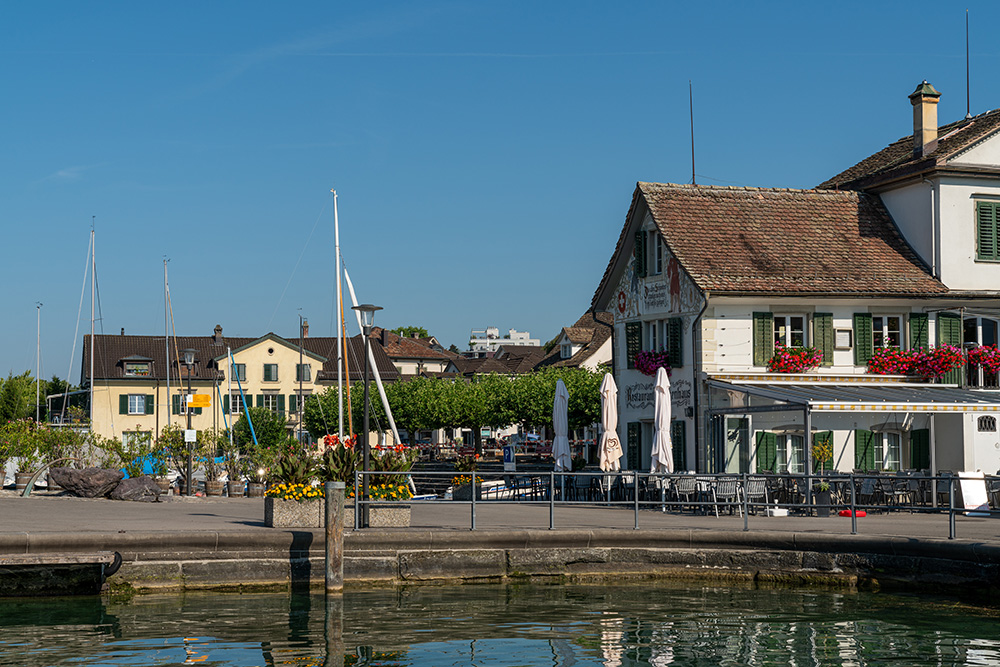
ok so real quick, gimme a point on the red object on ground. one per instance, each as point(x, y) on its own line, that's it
point(856, 513)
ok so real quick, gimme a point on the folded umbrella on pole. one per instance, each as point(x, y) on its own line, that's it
point(611, 448)
point(560, 424)
point(663, 455)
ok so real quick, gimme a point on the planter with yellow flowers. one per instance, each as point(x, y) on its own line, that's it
point(293, 506)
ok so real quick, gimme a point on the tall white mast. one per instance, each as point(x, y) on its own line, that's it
point(38, 364)
point(93, 346)
point(166, 335)
point(340, 323)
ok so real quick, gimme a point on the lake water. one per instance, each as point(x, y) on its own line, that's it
point(600, 625)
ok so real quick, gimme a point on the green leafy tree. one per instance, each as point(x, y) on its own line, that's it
point(17, 397)
point(408, 332)
point(321, 411)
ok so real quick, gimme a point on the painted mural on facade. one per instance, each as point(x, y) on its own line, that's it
point(669, 292)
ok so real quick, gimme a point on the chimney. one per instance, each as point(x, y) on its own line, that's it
point(924, 100)
point(218, 334)
point(383, 337)
point(304, 331)
point(123, 331)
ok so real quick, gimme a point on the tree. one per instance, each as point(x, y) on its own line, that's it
point(17, 397)
point(408, 332)
point(454, 348)
point(321, 411)
point(268, 426)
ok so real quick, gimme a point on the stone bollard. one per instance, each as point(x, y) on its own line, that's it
point(334, 492)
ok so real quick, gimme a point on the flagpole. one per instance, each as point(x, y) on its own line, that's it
point(340, 325)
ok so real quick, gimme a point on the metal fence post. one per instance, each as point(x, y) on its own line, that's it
point(473, 500)
point(951, 508)
point(552, 501)
point(746, 505)
point(357, 502)
point(854, 510)
point(635, 495)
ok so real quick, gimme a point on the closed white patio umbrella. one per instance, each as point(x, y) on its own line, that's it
point(611, 447)
point(560, 423)
point(663, 454)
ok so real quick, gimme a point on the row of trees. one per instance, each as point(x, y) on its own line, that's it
point(17, 395)
point(493, 401)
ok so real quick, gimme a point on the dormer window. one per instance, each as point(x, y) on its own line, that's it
point(566, 350)
point(137, 368)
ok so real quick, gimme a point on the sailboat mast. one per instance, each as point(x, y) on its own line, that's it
point(166, 335)
point(340, 324)
point(93, 346)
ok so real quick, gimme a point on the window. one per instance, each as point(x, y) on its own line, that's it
point(296, 401)
point(137, 368)
point(270, 401)
point(887, 331)
point(270, 372)
point(235, 402)
point(987, 424)
point(303, 373)
point(240, 372)
point(790, 330)
point(987, 219)
point(790, 455)
point(979, 330)
point(656, 246)
point(135, 440)
point(136, 404)
point(665, 336)
point(566, 350)
point(888, 450)
point(654, 340)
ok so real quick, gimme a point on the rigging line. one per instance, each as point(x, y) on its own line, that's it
point(100, 318)
point(299, 261)
point(76, 331)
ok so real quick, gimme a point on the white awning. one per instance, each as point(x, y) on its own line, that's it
point(870, 397)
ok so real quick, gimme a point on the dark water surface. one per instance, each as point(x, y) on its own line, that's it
point(610, 626)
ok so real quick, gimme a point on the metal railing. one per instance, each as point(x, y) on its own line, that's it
point(704, 494)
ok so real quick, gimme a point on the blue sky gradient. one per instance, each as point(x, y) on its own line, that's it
point(484, 154)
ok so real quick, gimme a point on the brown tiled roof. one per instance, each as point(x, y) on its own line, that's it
point(591, 331)
point(399, 347)
point(112, 350)
point(779, 241)
point(897, 159)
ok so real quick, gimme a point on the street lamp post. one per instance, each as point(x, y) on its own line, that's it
point(367, 312)
point(189, 362)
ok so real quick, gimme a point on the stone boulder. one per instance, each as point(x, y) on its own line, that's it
point(141, 489)
point(87, 482)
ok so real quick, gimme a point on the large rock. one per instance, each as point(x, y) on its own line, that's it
point(142, 489)
point(87, 482)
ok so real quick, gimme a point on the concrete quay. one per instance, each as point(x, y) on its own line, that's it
point(189, 543)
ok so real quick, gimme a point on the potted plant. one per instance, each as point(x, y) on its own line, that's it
point(794, 359)
point(209, 445)
point(462, 485)
point(292, 499)
point(171, 444)
point(235, 465)
point(822, 451)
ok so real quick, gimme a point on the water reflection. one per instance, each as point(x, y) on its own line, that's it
point(596, 626)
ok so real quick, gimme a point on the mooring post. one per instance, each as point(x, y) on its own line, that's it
point(334, 492)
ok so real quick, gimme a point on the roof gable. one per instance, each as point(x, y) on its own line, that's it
point(777, 241)
point(272, 338)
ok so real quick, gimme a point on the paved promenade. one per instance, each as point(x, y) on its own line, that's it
point(59, 514)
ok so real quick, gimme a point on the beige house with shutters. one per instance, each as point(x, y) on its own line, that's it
point(899, 251)
point(139, 385)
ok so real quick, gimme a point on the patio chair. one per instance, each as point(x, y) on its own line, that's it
point(686, 489)
point(755, 492)
point(727, 490)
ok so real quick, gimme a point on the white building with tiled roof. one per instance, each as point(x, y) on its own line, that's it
point(904, 254)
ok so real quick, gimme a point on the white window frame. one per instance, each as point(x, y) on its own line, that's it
point(882, 331)
point(129, 436)
point(784, 322)
point(789, 454)
point(270, 401)
point(566, 350)
point(656, 247)
point(889, 450)
point(235, 403)
point(137, 409)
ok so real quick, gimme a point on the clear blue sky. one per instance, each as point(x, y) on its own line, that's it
point(485, 153)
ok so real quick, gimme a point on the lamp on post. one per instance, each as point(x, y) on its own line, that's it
point(189, 362)
point(367, 312)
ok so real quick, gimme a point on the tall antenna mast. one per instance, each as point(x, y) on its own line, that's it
point(166, 334)
point(340, 323)
point(93, 343)
point(968, 106)
point(691, 105)
point(38, 363)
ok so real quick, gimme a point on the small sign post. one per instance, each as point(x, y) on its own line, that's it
point(509, 462)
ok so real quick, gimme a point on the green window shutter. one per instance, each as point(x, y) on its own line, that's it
point(986, 231)
point(293, 403)
point(281, 404)
point(197, 411)
point(678, 441)
point(862, 338)
point(826, 438)
point(767, 451)
point(949, 332)
point(150, 404)
point(823, 336)
point(634, 445)
point(675, 341)
point(175, 404)
point(920, 449)
point(260, 400)
point(123, 404)
point(633, 342)
point(225, 403)
point(640, 254)
point(763, 338)
point(918, 331)
point(864, 450)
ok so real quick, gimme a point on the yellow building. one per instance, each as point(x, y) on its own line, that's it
point(132, 375)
